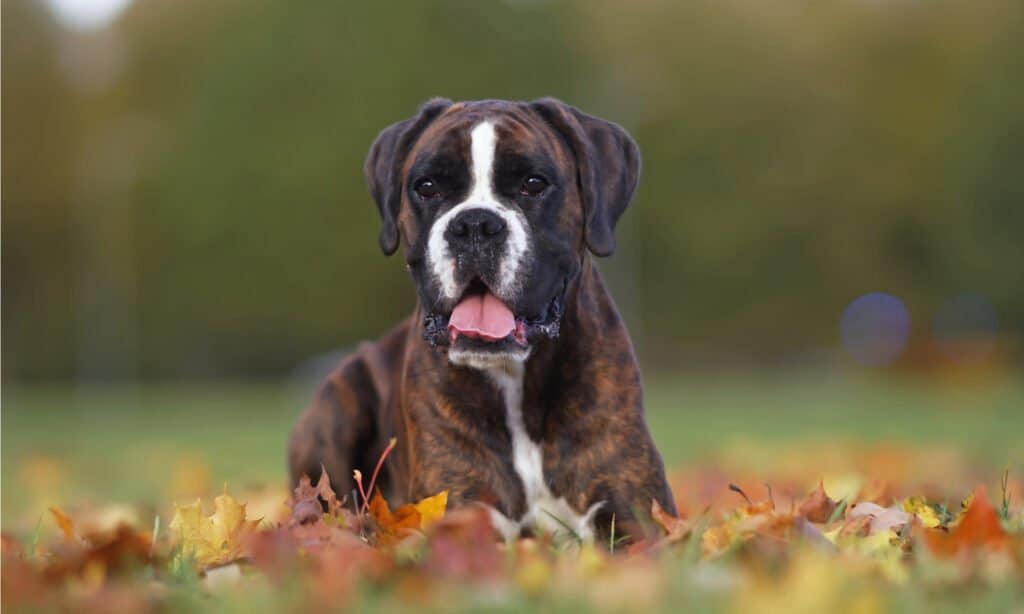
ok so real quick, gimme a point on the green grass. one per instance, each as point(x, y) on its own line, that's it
point(696, 416)
point(64, 445)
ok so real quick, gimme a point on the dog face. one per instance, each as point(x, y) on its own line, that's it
point(496, 203)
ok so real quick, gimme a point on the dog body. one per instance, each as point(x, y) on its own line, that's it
point(514, 383)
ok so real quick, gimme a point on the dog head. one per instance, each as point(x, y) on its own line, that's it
point(496, 203)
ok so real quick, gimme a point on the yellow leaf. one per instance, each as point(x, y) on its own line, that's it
point(431, 509)
point(215, 539)
point(924, 512)
point(717, 539)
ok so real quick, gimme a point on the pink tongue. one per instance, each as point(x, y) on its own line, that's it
point(482, 316)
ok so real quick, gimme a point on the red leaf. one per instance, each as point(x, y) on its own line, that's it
point(979, 528)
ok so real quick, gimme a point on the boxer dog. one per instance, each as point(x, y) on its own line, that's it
point(513, 384)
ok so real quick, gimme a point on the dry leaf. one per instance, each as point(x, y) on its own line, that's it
point(817, 507)
point(979, 527)
point(216, 539)
point(675, 528)
point(882, 518)
point(67, 526)
point(431, 509)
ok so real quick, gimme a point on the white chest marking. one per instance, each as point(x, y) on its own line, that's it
point(543, 510)
point(483, 143)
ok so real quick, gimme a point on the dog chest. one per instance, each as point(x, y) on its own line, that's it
point(544, 511)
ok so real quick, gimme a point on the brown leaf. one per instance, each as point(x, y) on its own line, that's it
point(308, 501)
point(306, 506)
point(463, 544)
point(123, 550)
point(817, 507)
point(323, 488)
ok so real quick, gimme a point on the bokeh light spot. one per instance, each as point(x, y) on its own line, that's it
point(875, 328)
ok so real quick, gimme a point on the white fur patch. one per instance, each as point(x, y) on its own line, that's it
point(543, 510)
point(483, 142)
point(485, 361)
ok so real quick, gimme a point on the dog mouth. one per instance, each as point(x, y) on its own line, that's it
point(481, 315)
point(483, 321)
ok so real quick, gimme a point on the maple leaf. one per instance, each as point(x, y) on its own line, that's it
point(817, 507)
point(431, 509)
point(307, 506)
point(215, 539)
point(413, 516)
point(979, 527)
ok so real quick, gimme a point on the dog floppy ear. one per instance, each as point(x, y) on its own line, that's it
point(608, 163)
point(383, 167)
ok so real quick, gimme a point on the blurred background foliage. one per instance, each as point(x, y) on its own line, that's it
point(183, 196)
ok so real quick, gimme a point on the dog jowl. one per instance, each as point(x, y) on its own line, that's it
point(513, 385)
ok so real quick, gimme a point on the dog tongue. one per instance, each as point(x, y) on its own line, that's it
point(482, 316)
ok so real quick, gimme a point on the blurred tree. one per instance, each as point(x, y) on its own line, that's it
point(40, 141)
point(183, 190)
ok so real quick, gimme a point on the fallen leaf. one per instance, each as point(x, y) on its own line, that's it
point(675, 528)
point(390, 524)
point(431, 509)
point(216, 539)
point(817, 507)
point(882, 518)
point(925, 513)
point(979, 527)
point(101, 555)
point(67, 526)
point(306, 507)
point(463, 545)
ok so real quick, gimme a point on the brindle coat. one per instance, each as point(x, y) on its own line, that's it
point(582, 398)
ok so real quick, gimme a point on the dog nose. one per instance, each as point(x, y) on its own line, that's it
point(477, 225)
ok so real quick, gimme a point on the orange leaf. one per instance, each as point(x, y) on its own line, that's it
point(405, 517)
point(979, 527)
point(67, 526)
point(379, 509)
point(414, 516)
point(390, 523)
point(675, 528)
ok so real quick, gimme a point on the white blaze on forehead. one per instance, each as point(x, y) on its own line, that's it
point(483, 141)
point(483, 144)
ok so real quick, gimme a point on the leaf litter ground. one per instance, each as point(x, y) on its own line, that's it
point(908, 532)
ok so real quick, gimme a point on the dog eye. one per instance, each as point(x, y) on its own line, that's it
point(427, 189)
point(533, 186)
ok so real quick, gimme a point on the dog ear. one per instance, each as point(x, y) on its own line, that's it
point(383, 167)
point(608, 163)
